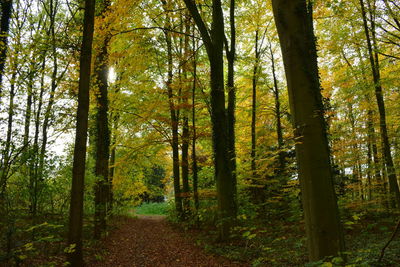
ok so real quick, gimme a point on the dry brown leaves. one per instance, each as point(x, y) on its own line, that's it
point(149, 241)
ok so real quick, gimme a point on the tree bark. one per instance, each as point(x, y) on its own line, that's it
point(296, 34)
point(102, 132)
point(78, 169)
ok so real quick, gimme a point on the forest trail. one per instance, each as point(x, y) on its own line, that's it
point(149, 241)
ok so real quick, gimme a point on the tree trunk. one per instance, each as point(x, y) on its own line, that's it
point(49, 109)
point(6, 8)
point(115, 120)
point(102, 132)
point(194, 135)
point(373, 57)
point(174, 119)
point(296, 34)
point(28, 113)
point(230, 56)
point(5, 164)
point(369, 167)
point(372, 138)
point(254, 106)
point(34, 154)
point(214, 43)
point(78, 169)
point(377, 163)
point(279, 131)
point(357, 174)
point(185, 121)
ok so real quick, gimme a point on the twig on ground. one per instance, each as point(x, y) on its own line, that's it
point(390, 240)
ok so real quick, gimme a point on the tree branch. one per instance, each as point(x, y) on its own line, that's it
point(154, 28)
point(194, 11)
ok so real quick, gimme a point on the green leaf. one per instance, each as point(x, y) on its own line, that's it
point(70, 249)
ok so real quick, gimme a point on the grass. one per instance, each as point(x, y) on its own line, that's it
point(152, 209)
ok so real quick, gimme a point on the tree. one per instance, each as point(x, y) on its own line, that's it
point(214, 43)
point(296, 34)
point(102, 132)
point(6, 8)
point(74, 253)
point(174, 114)
point(374, 63)
point(194, 132)
point(185, 89)
point(231, 56)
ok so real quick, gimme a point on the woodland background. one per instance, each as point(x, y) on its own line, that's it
point(158, 107)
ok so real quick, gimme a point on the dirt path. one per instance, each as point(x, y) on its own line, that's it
point(149, 241)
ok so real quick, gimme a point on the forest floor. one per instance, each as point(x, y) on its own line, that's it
point(149, 240)
point(152, 240)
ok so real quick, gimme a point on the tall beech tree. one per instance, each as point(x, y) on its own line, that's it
point(102, 132)
point(294, 23)
point(254, 80)
point(194, 132)
point(214, 43)
point(278, 113)
point(372, 46)
point(74, 253)
point(174, 114)
point(185, 88)
point(230, 51)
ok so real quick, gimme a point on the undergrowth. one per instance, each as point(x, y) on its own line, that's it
point(152, 209)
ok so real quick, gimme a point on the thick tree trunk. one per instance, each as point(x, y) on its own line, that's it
point(102, 133)
point(220, 126)
point(373, 57)
point(78, 169)
point(295, 29)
